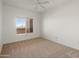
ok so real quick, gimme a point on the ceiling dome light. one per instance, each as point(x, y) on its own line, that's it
point(41, 3)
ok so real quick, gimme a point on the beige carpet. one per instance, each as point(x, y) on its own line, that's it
point(38, 48)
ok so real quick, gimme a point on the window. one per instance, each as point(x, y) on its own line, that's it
point(24, 25)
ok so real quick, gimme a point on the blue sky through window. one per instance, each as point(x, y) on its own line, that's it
point(20, 21)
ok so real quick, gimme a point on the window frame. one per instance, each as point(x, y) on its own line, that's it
point(26, 25)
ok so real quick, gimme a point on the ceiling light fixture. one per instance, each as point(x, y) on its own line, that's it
point(42, 3)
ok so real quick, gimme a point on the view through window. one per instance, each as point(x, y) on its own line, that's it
point(24, 25)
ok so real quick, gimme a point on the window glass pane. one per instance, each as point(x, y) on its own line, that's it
point(31, 25)
point(20, 25)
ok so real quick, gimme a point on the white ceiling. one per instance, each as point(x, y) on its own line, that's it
point(32, 4)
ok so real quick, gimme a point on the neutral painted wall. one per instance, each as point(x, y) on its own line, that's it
point(61, 24)
point(0, 24)
point(9, 24)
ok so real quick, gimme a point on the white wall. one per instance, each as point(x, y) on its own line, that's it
point(0, 24)
point(9, 24)
point(62, 24)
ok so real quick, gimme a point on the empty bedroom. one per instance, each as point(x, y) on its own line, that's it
point(39, 28)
